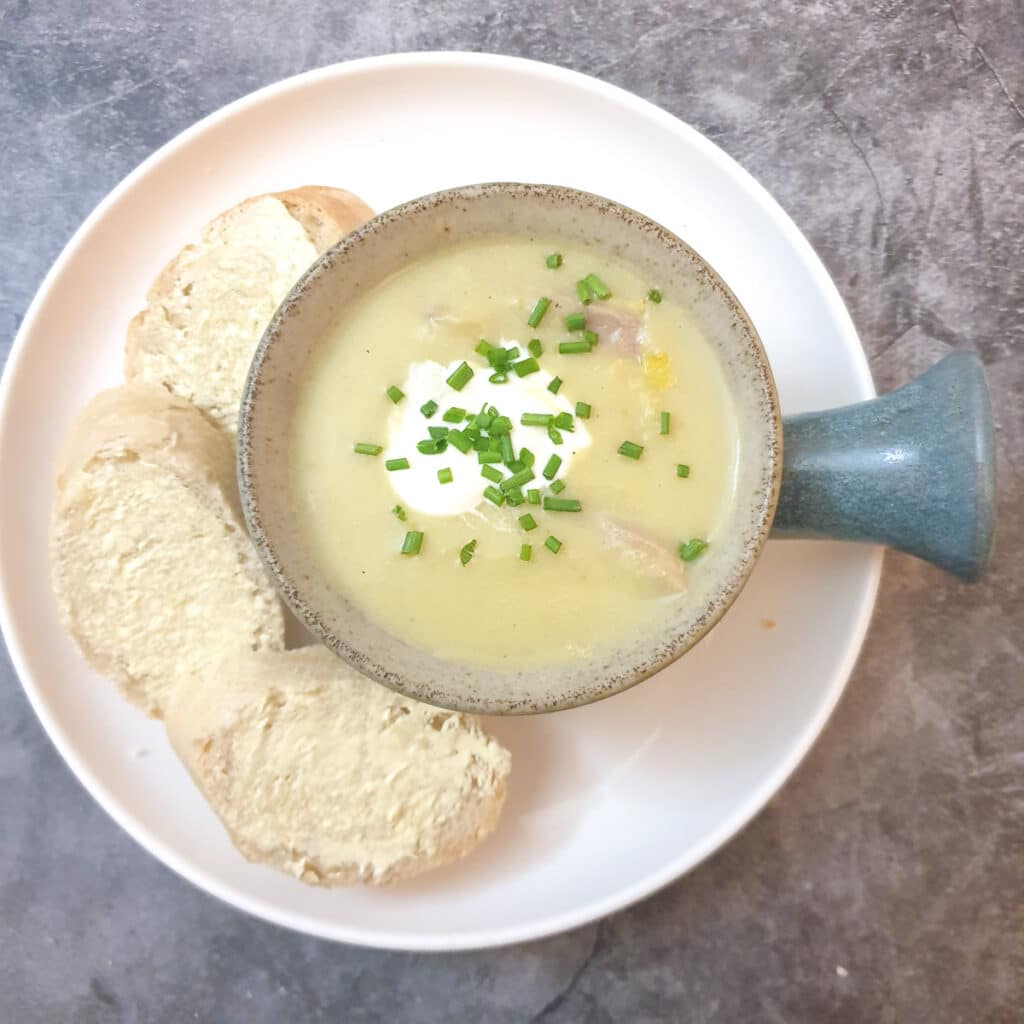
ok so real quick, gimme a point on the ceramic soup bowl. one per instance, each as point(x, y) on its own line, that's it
point(913, 469)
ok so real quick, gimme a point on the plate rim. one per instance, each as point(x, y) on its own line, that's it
point(640, 889)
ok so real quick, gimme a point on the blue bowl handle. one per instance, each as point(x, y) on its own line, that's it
point(913, 469)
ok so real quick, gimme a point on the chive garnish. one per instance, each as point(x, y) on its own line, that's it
point(494, 444)
point(553, 544)
point(525, 552)
point(554, 385)
point(630, 450)
point(538, 312)
point(525, 367)
point(665, 422)
point(572, 348)
point(460, 377)
point(654, 295)
point(554, 261)
point(564, 421)
point(583, 292)
point(500, 377)
point(500, 425)
point(554, 435)
point(412, 543)
point(399, 513)
point(516, 467)
point(454, 415)
point(514, 497)
point(362, 448)
point(692, 549)
point(508, 454)
point(466, 552)
point(527, 522)
point(494, 495)
point(392, 464)
point(552, 467)
point(444, 476)
point(536, 419)
point(488, 456)
point(431, 446)
point(557, 486)
point(483, 347)
point(428, 408)
point(492, 474)
point(535, 347)
point(575, 322)
point(459, 439)
point(598, 287)
point(682, 470)
point(481, 444)
point(517, 479)
point(590, 337)
point(533, 496)
point(583, 410)
point(526, 457)
point(438, 433)
point(482, 420)
point(562, 505)
point(395, 394)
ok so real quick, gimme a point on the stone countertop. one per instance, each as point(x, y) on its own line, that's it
point(885, 883)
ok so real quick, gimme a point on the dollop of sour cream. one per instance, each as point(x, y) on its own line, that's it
point(418, 488)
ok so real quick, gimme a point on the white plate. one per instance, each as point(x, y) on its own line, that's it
point(608, 802)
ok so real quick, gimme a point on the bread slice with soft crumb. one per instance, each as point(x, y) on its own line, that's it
point(153, 571)
point(208, 308)
point(320, 772)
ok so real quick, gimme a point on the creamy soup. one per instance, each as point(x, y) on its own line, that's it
point(514, 453)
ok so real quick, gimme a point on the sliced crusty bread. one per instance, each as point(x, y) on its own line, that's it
point(153, 571)
point(318, 771)
point(207, 310)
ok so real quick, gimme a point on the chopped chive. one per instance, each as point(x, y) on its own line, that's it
point(654, 295)
point(553, 544)
point(516, 467)
point(460, 440)
point(598, 287)
point(428, 408)
point(412, 543)
point(483, 347)
point(482, 420)
point(536, 419)
point(583, 410)
point(466, 552)
point(517, 479)
point(525, 552)
point(630, 450)
point(575, 322)
point(557, 486)
point(362, 448)
point(508, 454)
point(554, 261)
point(444, 476)
point(460, 376)
point(498, 378)
point(492, 411)
point(554, 435)
point(494, 444)
point(583, 292)
point(533, 496)
point(395, 394)
point(392, 464)
point(500, 425)
point(525, 367)
point(590, 337)
point(438, 433)
point(399, 513)
point(454, 415)
point(494, 495)
point(573, 348)
point(514, 497)
point(562, 505)
point(535, 347)
point(538, 312)
point(554, 385)
point(665, 422)
point(492, 474)
point(692, 549)
point(527, 522)
point(526, 457)
point(682, 470)
point(488, 456)
point(552, 467)
point(564, 421)
point(432, 446)
point(473, 433)
point(481, 444)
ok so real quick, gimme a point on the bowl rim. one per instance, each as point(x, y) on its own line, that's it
point(290, 592)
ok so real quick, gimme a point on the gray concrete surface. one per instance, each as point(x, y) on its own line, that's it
point(894, 134)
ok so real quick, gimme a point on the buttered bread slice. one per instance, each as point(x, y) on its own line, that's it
point(319, 771)
point(207, 310)
point(153, 571)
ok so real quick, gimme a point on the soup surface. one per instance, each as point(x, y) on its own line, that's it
point(600, 453)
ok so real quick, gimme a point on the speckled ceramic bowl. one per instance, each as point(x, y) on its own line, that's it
point(376, 250)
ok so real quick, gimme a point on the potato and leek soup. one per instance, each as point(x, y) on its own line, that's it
point(513, 453)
